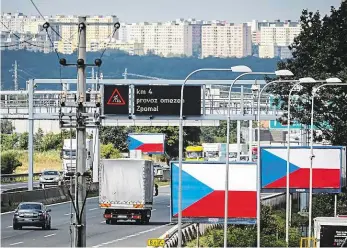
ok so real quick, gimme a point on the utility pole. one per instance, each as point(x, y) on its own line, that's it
point(80, 235)
point(15, 75)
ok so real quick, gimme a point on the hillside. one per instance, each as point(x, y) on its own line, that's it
point(46, 66)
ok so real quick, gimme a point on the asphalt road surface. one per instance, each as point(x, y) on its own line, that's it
point(8, 186)
point(98, 233)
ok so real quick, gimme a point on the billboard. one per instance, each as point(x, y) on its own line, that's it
point(328, 173)
point(150, 143)
point(203, 192)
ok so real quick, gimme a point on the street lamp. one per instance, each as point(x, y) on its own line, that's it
point(330, 82)
point(226, 203)
point(239, 68)
point(306, 80)
point(258, 151)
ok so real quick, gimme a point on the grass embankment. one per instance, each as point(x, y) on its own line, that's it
point(42, 160)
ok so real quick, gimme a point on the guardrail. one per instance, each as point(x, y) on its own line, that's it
point(23, 177)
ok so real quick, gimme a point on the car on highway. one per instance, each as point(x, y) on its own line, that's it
point(32, 214)
point(50, 177)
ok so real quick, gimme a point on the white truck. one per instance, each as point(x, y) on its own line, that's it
point(126, 189)
point(330, 231)
point(69, 154)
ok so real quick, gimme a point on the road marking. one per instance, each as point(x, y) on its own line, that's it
point(153, 209)
point(49, 235)
point(17, 243)
point(67, 214)
point(54, 204)
point(168, 206)
point(9, 227)
point(93, 209)
point(103, 222)
point(130, 236)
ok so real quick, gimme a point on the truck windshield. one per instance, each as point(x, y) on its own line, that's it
point(194, 154)
point(68, 153)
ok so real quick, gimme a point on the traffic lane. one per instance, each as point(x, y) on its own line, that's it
point(111, 235)
point(8, 186)
point(60, 221)
point(97, 231)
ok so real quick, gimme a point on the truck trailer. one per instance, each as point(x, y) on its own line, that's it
point(126, 189)
point(330, 231)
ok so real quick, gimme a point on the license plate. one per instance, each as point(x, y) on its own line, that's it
point(122, 216)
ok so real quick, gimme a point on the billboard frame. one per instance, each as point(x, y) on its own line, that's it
point(210, 220)
point(151, 153)
point(343, 182)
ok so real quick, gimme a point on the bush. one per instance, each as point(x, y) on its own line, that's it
point(50, 141)
point(9, 161)
point(109, 151)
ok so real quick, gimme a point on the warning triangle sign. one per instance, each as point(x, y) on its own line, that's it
point(116, 98)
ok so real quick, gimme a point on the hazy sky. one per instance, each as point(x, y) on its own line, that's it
point(163, 10)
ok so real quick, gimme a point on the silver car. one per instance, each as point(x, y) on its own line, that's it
point(31, 214)
point(50, 177)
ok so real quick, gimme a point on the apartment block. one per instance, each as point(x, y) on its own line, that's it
point(226, 40)
point(163, 39)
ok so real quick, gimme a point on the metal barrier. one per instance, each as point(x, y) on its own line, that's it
point(22, 177)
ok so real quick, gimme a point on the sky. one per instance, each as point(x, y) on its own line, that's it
point(128, 11)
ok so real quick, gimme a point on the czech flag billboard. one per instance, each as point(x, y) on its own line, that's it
point(150, 143)
point(203, 192)
point(328, 169)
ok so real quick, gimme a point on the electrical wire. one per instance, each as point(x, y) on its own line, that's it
point(18, 37)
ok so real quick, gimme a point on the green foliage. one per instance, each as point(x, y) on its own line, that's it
point(6, 126)
point(9, 161)
point(50, 141)
point(9, 141)
point(23, 141)
point(218, 134)
point(109, 151)
point(320, 52)
point(116, 136)
point(272, 233)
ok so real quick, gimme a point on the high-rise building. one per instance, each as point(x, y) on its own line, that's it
point(226, 40)
point(274, 38)
point(164, 39)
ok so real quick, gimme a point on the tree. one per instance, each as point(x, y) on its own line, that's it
point(6, 126)
point(218, 134)
point(23, 141)
point(116, 136)
point(9, 161)
point(108, 151)
point(320, 52)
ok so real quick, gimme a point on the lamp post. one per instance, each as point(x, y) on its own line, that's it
point(329, 82)
point(226, 202)
point(307, 80)
point(239, 68)
point(258, 154)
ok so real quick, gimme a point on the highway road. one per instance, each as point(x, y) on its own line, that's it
point(8, 186)
point(98, 233)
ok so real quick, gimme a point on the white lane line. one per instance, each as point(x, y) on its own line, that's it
point(9, 227)
point(67, 214)
point(168, 206)
point(54, 204)
point(93, 209)
point(130, 236)
point(103, 222)
point(153, 209)
point(49, 235)
point(16, 243)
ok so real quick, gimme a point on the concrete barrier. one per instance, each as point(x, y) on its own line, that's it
point(47, 196)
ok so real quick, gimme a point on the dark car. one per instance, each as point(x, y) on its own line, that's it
point(32, 214)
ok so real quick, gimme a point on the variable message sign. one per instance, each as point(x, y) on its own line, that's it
point(165, 100)
point(116, 99)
